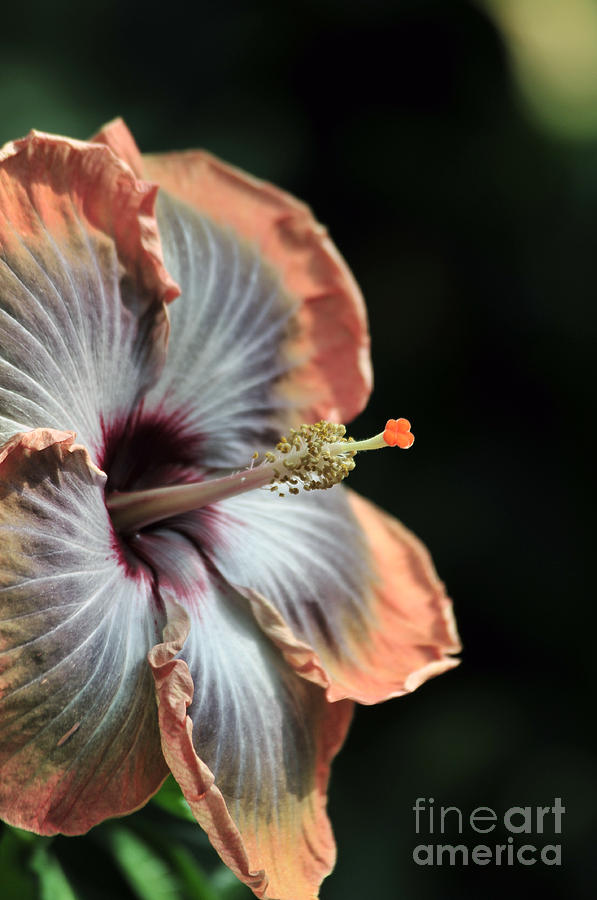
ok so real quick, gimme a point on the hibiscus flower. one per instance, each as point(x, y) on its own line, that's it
point(154, 348)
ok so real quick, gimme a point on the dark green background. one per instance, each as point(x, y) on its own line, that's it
point(472, 234)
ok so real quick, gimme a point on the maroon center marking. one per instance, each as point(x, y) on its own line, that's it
point(148, 450)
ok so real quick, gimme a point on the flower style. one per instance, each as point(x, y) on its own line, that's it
point(149, 345)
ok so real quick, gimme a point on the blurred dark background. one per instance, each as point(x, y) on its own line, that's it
point(451, 148)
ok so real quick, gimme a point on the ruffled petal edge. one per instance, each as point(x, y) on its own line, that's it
point(411, 635)
point(333, 377)
point(174, 691)
point(114, 200)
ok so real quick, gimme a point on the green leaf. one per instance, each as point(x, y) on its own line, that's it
point(17, 881)
point(53, 883)
point(170, 798)
point(228, 887)
point(149, 876)
point(195, 883)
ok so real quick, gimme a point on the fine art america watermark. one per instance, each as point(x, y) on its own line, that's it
point(518, 836)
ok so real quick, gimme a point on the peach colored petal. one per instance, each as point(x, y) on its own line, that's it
point(79, 740)
point(347, 594)
point(224, 692)
point(118, 138)
point(54, 172)
point(21, 447)
point(174, 691)
point(250, 856)
point(416, 634)
point(333, 379)
point(83, 322)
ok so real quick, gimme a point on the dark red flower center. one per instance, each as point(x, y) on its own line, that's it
point(149, 450)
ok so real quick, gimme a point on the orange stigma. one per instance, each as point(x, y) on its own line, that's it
point(397, 433)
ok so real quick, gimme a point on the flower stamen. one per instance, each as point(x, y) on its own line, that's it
point(315, 456)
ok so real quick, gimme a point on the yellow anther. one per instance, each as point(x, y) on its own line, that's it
point(320, 456)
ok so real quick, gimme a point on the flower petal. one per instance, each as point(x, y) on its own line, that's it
point(249, 743)
point(83, 327)
point(347, 593)
point(334, 380)
point(79, 740)
point(226, 373)
point(408, 591)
